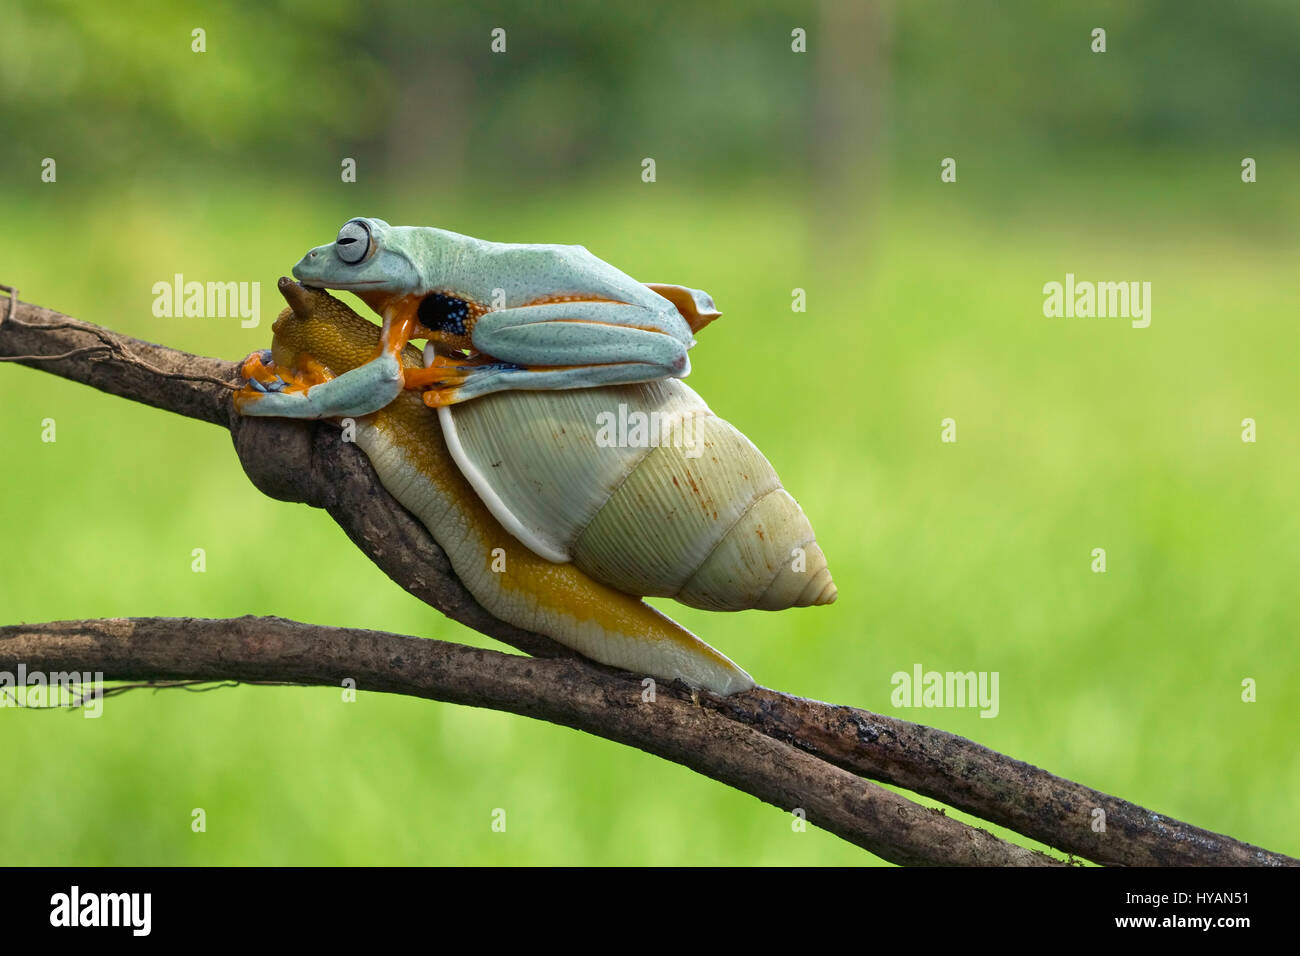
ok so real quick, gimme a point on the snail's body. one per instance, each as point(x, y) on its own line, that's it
point(404, 443)
point(714, 529)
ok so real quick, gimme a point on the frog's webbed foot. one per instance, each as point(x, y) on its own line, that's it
point(262, 378)
point(561, 345)
point(445, 382)
point(445, 374)
point(258, 372)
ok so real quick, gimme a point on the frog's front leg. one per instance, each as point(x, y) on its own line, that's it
point(557, 345)
point(312, 391)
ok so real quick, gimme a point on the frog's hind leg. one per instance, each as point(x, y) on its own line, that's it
point(449, 385)
point(554, 354)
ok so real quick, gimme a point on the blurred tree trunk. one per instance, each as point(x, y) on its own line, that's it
point(851, 48)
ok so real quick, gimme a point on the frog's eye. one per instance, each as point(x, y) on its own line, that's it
point(353, 242)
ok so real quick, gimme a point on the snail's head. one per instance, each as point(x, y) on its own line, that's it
point(319, 326)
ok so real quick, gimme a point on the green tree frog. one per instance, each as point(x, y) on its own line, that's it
point(495, 315)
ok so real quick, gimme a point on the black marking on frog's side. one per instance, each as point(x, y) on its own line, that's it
point(440, 312)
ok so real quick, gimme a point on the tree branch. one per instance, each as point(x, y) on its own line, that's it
point(573, 693)
point(787, 750)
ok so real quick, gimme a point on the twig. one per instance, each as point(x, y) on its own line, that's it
point(990, 785)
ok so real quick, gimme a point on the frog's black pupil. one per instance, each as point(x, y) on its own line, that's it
point(444, 313)
point(345, 240)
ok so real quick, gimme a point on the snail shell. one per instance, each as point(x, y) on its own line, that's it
point(643, 488)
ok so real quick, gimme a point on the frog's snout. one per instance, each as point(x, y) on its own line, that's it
point(311, 268)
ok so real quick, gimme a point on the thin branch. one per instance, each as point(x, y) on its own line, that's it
point(308, 462)
point(990, 785)
point(572, 693)
point(176, 381)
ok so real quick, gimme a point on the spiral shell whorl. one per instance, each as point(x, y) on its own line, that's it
point(701, 516)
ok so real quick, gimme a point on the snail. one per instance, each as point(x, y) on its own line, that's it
point(490, 497)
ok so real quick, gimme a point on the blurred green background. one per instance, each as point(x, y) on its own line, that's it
point(776, 170)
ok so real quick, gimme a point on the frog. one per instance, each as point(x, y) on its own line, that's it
point(494, 316)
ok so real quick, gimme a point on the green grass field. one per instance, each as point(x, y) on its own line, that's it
point(1072, 434)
